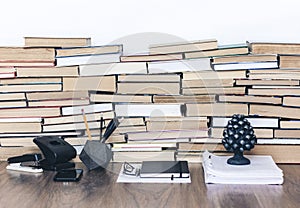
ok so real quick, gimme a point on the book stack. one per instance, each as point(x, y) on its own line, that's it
point(172, 103)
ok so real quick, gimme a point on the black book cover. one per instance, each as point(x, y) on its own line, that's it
point(163, 169)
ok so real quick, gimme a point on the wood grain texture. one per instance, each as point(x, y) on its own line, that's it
point(99, 189)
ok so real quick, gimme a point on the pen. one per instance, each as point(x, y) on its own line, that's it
point(101, 127)
point(86, 125)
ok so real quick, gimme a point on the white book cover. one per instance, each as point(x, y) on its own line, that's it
point(262, 170)
point(187, 65)
point(278, 141)
point(87, 59)
point(87, 109)
point(255, 122)
point(113, 68)
point(21, 120)
point(250, 65)
point(148, 110)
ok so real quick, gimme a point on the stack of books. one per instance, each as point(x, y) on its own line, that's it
point(262, 170)
point(172, 103)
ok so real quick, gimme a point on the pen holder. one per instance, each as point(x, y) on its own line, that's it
point(95, 154)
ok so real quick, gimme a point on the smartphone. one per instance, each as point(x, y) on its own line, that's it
point(68, 175)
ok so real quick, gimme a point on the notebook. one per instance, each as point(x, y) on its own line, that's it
point(262, 170)
point(164, 169)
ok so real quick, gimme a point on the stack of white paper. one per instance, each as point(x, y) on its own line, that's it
point(262, 170)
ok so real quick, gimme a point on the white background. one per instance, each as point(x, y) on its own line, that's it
point(229, 21)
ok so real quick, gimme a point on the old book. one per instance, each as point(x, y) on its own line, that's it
point(290, 124)
point(134, 156)
point(113, 68)
point(17, 142)
point(200, 147)
point(117, 98)
point(274, 48)
point(255, 122)
point(88, 59)
point(7, 75)
point(203, 75)
point(129, 122)
point(280, 141)
point(289, 61)
point(125, 147)
point(81, 140)
point(88, 50)
point(13, 104)
point(70, 102)
point(259, 132)
point(183, 46)
point(31, 87)
point(184, 98)
point(70, 71)
point(65, 95)
point(27, 63)
point(274, 111)
point(71, 126)
point(148, 110)
point(217, 109)
point(249, 99)
point(180, 123)
point(20, 127)
point(275, 74)
point(153, 57)
point(23, 135)
point(167, 135)
point(253, 65)
point(223, 50)
point(142, 78)
point(56, 41)
point(275, 91)
point(291, 101)
point(214, 91)
point(287, 133)
point(251, 58)
point(208, 83)
point(7, 70)
point(97, 83)
point(130, 129)
point(146, 88)
point(87, 109)
point(187, 65)
point(11, 54)
point(40, 80)
point(78, 118)
point(30, 112)
point(262, 82)
point(245, 62)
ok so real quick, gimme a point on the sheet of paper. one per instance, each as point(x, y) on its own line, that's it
point(123, 178)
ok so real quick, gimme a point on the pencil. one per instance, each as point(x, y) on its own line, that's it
point(86, 125)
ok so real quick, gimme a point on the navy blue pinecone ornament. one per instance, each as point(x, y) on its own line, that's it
point(238, 137)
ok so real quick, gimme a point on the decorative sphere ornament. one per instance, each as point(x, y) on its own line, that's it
point(238, 137)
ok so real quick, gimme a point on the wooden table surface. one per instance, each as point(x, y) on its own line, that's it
point(99, 189)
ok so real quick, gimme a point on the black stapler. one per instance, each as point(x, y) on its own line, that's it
point(56, 151)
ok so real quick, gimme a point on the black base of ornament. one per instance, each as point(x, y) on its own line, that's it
point(238, 159)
